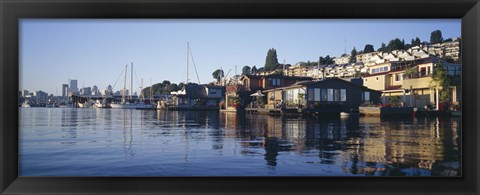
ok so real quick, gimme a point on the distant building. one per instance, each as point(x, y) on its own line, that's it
point(74, 86)
point(64, 90)
point(40, 96)
point(86, 91)
point(342, 60)
point(95, 90)
point(26, 93)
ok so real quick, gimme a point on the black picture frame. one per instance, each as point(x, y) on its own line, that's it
point(12, 10)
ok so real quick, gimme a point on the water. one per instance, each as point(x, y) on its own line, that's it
point(115, 142)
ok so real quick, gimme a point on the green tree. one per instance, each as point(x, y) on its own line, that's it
point(271, 61)
point(353, 55)
point(181, 85)
point(165, 82)
point(441, 79)
point(254, 70)
point(416, 42)
point(325, 60)
point(382, 48)
point(246, 70)
point(218, 74)
point(368, 48)
point(395, 44)
point(436, 37)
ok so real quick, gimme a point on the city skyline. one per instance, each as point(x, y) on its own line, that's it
point(94, 52)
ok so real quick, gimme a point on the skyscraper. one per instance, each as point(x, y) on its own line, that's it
point(73, 86)
point(64, 90)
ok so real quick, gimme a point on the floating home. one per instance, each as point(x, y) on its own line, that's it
point(328, 96)
point(194, 96)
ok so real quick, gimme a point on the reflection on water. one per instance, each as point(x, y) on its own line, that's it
point(109, 142)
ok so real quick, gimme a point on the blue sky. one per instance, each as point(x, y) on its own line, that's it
point(95, 51)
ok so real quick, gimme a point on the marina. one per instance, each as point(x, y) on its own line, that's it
point(129, 142)
point(312, 109)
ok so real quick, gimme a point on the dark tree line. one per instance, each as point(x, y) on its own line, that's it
point(164, 87)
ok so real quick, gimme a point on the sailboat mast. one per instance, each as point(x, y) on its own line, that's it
point(187, 62)
point(131, 82)
point(141, 91)
point(151, 86)
point(124, 84)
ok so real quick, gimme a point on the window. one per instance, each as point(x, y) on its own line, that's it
point(330, 95)
point(317, 94)
point(385, 68)
point(183, 101)
point(278, 82)
point(398, 77)
point(310, 95)
point(343, 95)
point(366, 96)
point(213, 91)
point(336, 95)
point(323, 95)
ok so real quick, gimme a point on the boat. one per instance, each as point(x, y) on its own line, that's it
point(139, 105)
point(26, 104)
point(100, 104)
point(352, 112)
point(86, 104)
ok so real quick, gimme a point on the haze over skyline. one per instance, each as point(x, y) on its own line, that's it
point(94, 52)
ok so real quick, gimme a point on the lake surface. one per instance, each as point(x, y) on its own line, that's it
point(117, 142)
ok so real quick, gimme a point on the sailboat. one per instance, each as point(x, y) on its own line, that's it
point(130, 105)
point(121, 104)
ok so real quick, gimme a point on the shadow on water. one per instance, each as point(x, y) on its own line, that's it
point(379, 146)
point(394, 146)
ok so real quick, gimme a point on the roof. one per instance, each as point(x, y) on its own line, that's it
point(307, 83)
point(195, 91)
point(394, 87)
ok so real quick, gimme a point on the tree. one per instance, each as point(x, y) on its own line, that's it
point(416, 42)
point(271, 61)
point(181, 85)
point(395, 44)
point(368, 48)
point(254, 70)
point(353, 55)
point(246, 70)
point(382, 48)
point(218, 74)
point(436, 37)
point(440, 78)
point(324, 60)
point(165, 82)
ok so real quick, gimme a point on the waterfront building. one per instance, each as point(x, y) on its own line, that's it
point(328, 95)
point(26, 93)
point(195, 96)
point(411, 81)
point(254, 83)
